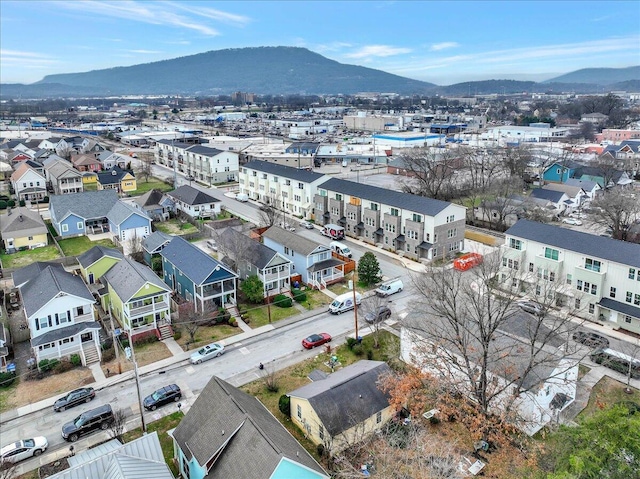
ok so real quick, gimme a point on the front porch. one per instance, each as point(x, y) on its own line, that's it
point(324, 273)
point(80, 338)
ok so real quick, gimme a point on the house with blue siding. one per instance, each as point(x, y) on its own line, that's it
point(228, 433)
point(312, 261)
point(153, 244)
point(197, 277)
point(560, 172)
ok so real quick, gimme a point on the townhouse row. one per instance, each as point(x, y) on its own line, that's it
point(417, 227)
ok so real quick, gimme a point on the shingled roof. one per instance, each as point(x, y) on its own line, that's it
point(297, 243)
point(128, 277)
point(245, 439)
point(192, 196)
point(282, 171)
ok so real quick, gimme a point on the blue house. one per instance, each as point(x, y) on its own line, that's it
point(197, 277)
point(312, 261)
point(97, 212)
point(228, 433)
point(153, 244)
point(559, 172)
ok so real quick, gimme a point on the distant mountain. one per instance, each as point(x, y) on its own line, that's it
point(264, 70)
point(599, 76)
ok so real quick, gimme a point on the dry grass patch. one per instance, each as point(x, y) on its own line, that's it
point(28, 392)
point(145, 354)
point(606, 393)
point(208, 334)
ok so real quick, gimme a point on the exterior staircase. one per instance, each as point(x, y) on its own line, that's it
point(90, 353)
point(166, 331)
point(232, 309)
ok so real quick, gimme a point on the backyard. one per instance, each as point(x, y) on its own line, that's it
point(152, 184)
point(80, 244)
point(24, 258)
point(176, 227)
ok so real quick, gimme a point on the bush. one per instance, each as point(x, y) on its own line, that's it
point(3, 205)
point(62, 366)
point(369, 354)
point(320, 449)
point(47, 365)
point(151, 338)
point(22, 203)
point(284, 404)
point(75, 360)
point(299, 296)
point(7, 379)
point(11, 203)
point(434, 420)
point(45, 199)
point(351, 342)
point(282, 301)
point(357, 349)
point(177, 335)
point(108, 343)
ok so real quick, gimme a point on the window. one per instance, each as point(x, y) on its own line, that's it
point(569, 278)
point(627, 319)
point(636, 299)
point(452, 232)
point(374, 207)
point(378, 417)
point(65, 228)
point(299, 411)
point(629, 297)
point(551, 253)
point(592, 265)
point(632, 273)
point(592, 308)
point(338, 197)
point(44, 322)
point(515, 244)
point(552, 276)
point(612, 292)
point(579, 285)
point(577, 303)
point(320, 432)
point(286, 250)
point(450, 219)
point(417, 218)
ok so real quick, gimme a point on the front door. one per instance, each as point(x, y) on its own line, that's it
point(86, 337)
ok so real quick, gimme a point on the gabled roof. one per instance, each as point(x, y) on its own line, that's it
point(621, 252)
point(348, 396)
point(27, 273)
point(549, 195)
point(149, 199)
point(297, 243)
point(294, 174)
point(192, 196)
point(128, 277)
point(21, 220)
point(204, 150)
point(88, 204)
point(96, 253)
point(112, 176)
point(253, 252)
point(567, 164)
point(48, 284)
point(571, 191)
point(194, 263)
point(586, 185)
point(121, 211)
point(22, 170)
point(62, 169)
point(598, 172)
point(248, 440)
point(155, 240)
point(138, 459)
point(405, 201)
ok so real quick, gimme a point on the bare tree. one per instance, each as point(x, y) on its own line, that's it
point(269, 215)
point(616, 209)
point(192, 318)
point(471, 335)
point(117, 425)
point(371, 310)
point(271, 378)
point(431, 172)
point(8, 470)
point(516, 160)
point(145, 166)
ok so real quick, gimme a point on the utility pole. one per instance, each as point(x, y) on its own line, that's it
point(355, 304)
point(135, 372)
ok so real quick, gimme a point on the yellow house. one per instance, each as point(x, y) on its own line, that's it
point(21, 229)
point(89, 178)
point(118, 179)
point(344, 407)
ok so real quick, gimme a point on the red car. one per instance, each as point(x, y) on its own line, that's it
point(316, 340)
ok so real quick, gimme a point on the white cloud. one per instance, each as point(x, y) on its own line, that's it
point(436, 47)
point(145, 52)
point(212, 14)
point(331, 47)
point(377, 51)
point(25, 59)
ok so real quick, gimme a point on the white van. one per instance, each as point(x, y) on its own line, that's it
point(212, 245)
point(344, 302)
point(340, 248)
point(242, 197)
point(389, 287)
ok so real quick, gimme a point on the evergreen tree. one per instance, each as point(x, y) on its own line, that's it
point(369, 269)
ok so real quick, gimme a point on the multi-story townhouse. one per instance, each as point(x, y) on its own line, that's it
point(205, 163)
point(419, 227)
point(28, 184)
point(284, 187)
point(63, 177)
point(598, 277)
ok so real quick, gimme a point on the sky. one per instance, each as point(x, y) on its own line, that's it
point(435, 41)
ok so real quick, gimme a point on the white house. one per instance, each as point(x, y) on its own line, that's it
point(28, 184)
point(194, 202)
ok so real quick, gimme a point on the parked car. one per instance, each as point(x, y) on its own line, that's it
point(316, 340)
point(212, 245)
point(23, 449)
point(189, 178)
point(381, 313)
point(210, 351)
point(162, 396)
point(286, 226)
point(531, 307)
point(98, 418)
point(306, 224)
point(572, 221)
point(390, 287)
point(592, 340)
point(75, 397)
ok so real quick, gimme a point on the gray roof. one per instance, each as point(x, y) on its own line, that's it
point(139, 459)
point(204, 150)
point(22, 275)
point(128, 277)
point(114, 175)
point(89, 204)
point(250, 440)
point(155, 240)
point(297, 243)
point(192, 196)
point(586, 185)
point(62, 169)
point(325, 264)
point(624, 308)
point(22, 220)
point(621, 252)
point(65, 332)
point(194, 263)
point(89, 257)
point(347, 397)
point(282, 171)
point(149, 199)
point(549, 195)
point(46, 285)
point(120, 211)
point(405, 201)
point(253, 252)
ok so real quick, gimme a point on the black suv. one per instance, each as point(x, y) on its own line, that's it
point(591, 340)
point(380, 314)
point(98, 418)
point(162, 396)
point(78, 396)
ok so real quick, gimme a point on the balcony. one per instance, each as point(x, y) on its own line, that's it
point(148, 308)
point(268, 278)
point(84, 317)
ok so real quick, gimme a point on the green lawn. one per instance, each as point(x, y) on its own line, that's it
point(259, 314)
point(24, 258)
point(152, 184)
point(175, 227)
point(77, 246)
point(161, 426)
point(316, 299)
point(607, 392)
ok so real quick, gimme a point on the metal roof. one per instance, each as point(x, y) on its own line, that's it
point(282, 171)
point(194, 263)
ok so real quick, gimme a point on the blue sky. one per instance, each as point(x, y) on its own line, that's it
point(440, 42)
